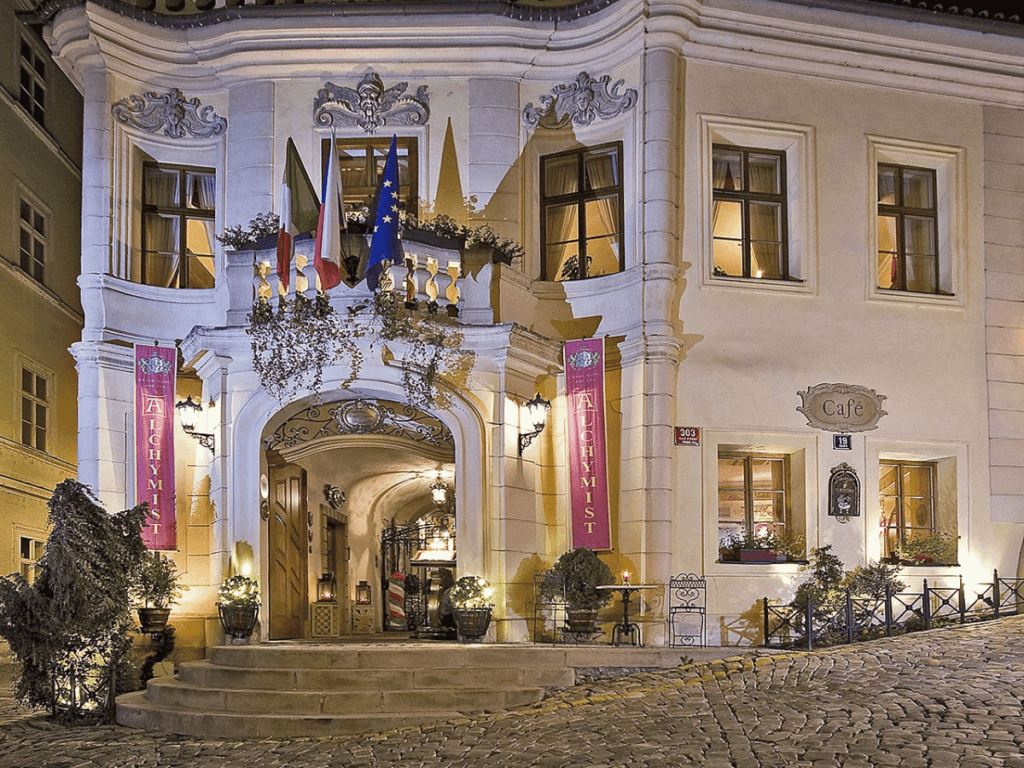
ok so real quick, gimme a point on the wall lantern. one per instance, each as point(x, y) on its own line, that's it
point(362, 593)
point(439, 492)
point(537, 415)
point(326, 588)
point(187, 411)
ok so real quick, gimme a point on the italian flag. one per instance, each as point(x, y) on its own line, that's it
point(298, 210)
point(327, 252)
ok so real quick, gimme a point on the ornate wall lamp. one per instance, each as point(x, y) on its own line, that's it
point(187, 411)
point(537, 415)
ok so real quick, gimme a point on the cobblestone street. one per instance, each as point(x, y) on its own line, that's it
point(949, 697)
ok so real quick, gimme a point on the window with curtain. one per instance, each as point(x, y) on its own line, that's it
point(749, 213)
point(361, 162)
point(753, 494)
point(177, 226)
point(581, 213)
point(908, 254)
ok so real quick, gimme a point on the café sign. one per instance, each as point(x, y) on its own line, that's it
point(841, 407)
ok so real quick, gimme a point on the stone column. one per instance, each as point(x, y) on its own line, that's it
point(493, 171)
point(250, 182)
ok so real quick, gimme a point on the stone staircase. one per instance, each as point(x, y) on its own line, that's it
point(269, 690)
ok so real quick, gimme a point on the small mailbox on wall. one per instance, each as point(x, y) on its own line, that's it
point(844, 493)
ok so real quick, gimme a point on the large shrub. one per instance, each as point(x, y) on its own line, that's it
point(581, 572)
point(70, 630)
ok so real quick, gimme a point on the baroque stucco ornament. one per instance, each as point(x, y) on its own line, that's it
point(170, 113)
point(580, 102)
point(370, 105)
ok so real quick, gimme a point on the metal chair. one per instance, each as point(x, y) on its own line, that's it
point(687, 612)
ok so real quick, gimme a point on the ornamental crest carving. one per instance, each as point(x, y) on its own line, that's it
point(370, 105)
point(170, 113)
point(841, 407)
point(585, 358)
point(154, 364)
point(580, 102)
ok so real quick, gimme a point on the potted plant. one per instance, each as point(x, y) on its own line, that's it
point(238, 606)
point(156, 590)
point(579, 572)
point(763, 547)
point(471, 599)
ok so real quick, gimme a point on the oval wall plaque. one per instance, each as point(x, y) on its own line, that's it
point(841, 407)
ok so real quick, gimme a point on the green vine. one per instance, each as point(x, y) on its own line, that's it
point(292, 345)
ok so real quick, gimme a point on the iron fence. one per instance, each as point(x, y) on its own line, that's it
point(858, 618)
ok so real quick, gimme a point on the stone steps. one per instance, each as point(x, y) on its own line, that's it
point(274, 690)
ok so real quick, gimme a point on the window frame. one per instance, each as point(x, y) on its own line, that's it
point(748, 457)
point(353, 202)
point(24, 198)
point(802, 450)
point(949, 165)
point(901, 526)
point(797, 142)
point(183, 213)
point(33, 91)
point(35, 403)
point(29, 567)
point(746, 198)
point(900, 211)
point(580, 197)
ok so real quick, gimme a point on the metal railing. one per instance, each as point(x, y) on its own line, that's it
point(865, 618)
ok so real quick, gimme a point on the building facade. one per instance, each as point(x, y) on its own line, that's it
point(41, 317)
point(798, 231)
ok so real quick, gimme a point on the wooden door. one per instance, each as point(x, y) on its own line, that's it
point(287, 539)
point(337, 560)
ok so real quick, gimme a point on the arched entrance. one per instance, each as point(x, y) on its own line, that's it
point(354, 492)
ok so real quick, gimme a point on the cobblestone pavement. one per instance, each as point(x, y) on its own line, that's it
point(949, 697)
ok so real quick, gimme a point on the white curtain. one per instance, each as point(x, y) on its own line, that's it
point(765, 220)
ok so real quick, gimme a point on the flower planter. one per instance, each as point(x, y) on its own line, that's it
point(238, 621)
point(153, 619)
point(427, 237)
point(472, 622)
point(761, 556)
point(581, 619)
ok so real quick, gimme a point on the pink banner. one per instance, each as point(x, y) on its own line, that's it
point(154, 442)
point(588, 460)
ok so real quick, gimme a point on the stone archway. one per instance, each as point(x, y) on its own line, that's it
point(366, 464)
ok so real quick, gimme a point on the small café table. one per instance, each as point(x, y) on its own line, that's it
point(627, 627)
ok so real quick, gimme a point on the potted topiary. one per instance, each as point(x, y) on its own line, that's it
point(156, 590)
point(470, 597)
point(238, 606)
point(580, 572)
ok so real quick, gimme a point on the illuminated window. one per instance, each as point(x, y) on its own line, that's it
point(177, 226)
point(581, 213)
point(908, 230)
point(361, 162)
point(749, 213)
point(753, 494)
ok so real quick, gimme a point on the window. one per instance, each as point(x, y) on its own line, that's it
point(919, 229)
point(911, 520)
point(32, 91)
point(35, 409)
point(748, 219)
point(753, 494)
point(177, 226)
point(908, 231)
point(361, 162)
point(758, 217)
point(30, 550)
point(581, 213)
point(32, 239)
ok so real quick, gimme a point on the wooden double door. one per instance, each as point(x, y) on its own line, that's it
point(287, 539)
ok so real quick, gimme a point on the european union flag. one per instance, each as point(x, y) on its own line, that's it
point(385, 245)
